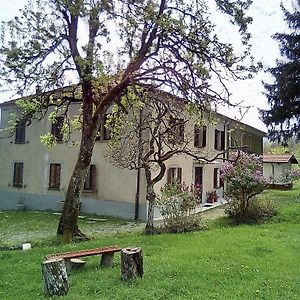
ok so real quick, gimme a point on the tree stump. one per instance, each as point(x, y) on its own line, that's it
point(55, 277)
point(131, 263)
point(107, 260)
point(77, 263)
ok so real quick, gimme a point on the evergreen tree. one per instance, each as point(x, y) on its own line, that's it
point(283, 118)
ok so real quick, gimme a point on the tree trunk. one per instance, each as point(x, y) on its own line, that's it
point(150, 197)
point(67, 226)
point(55, 277)
point(131, 263)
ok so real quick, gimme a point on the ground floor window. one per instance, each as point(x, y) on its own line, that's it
point(174, 175)
point(90, 181)
point(54, 176)
point(18, 174)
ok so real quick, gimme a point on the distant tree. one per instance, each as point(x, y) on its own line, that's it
point(283, 118)
point(164, 128)
point(169, 44)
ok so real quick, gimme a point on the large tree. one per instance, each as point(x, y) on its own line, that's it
point(111, 45)
point(283, 117)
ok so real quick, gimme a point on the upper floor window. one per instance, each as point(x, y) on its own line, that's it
point(18, 174)
point(246, 141)
point(90, 181)
point(20, 132)
point(174, 175)
point(103, 132)
point(219, 140)
point(56, 128)
point(176, 130)
point(200, 136)
point(54, 176)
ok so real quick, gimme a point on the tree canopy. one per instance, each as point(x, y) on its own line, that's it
point(108, 46)
point(283, 117)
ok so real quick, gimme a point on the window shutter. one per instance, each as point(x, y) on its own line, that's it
point(20, 132)
point(216, 138)
point(204, 136)
point(222, 140)
point(57, 176)
point(196, 136)
point(216, 178)
point(54, 177)
point(18, 175)
point(169, 176)
point(56, 128)
point(93, 178)
point(198, 176)
point(179, 175)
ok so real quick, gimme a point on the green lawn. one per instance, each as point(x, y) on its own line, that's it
point(243, 262)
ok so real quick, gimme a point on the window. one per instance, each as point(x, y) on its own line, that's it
point(90, 181)
point(103, 132)
point(198, 176)
point(176, 130)
point(218, 182)
point(18, 174)
point(54, 176)
point(246, 142)
point(200, 137)
point(56, 128)
point(20, 132)
point(174, 174)
point(219, 140)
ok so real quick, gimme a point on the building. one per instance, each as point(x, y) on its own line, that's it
point(276, 167)
point(36, 177)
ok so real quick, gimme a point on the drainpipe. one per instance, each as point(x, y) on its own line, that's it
point(137, 195)
point(138, 175)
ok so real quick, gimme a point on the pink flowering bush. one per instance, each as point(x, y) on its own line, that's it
point(244, 181)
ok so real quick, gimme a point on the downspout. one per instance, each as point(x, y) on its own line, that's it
point(138, 175)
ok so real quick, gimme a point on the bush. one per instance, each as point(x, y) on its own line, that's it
point(259, 210)
point(177, 204)
point(244, 181)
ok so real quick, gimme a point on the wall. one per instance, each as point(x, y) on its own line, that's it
point(116, 188)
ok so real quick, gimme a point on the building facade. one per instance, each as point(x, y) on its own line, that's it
point(32, 175)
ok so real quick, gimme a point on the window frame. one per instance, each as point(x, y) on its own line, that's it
point(56, 129)
point(20, 132)
point(174, 174)
point(18, 175)
point(90, 181)
point(200, 136)
point(219, 140)
point(54, 176)
point(176, 130)
point(103, 133)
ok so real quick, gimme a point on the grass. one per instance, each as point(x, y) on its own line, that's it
point(225, 262)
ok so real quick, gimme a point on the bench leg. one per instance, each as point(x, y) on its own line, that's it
point(68, 264)
point(107, 260)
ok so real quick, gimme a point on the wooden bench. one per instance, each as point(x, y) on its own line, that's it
point(107, 254)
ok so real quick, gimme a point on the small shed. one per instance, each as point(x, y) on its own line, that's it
point(276, 165)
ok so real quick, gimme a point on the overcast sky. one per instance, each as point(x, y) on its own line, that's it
point(267, 20)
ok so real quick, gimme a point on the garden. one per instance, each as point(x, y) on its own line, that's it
point(227, 261)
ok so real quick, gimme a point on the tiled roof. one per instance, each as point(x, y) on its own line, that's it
point(279, 158)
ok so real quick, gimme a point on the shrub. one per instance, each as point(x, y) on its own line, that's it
point(259, 210)
point(177, 204)
point(244, 178)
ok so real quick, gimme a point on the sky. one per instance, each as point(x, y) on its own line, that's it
point(267, 20)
